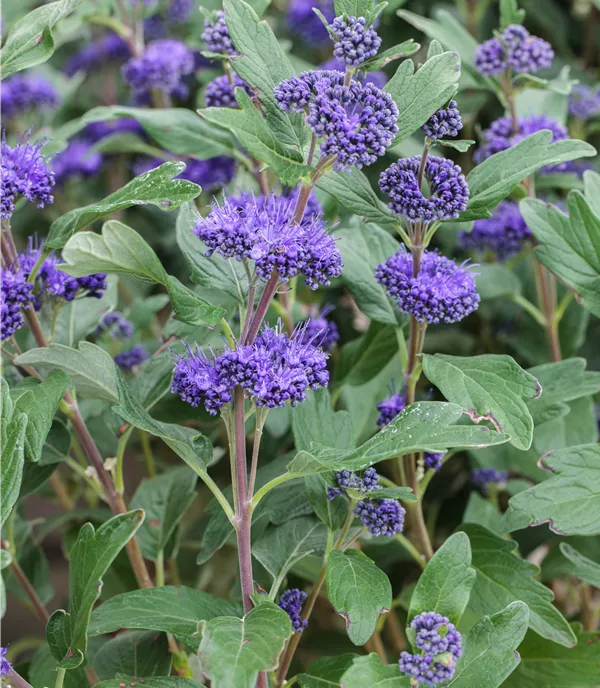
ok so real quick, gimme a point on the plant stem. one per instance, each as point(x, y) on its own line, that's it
point(545, 283)
point(243, 511)
point(60, 678)
point(148, 455)
point(528, 307)
point(160, 569)
point(375, 644)
point(39, 607)
point(411, 549)
point(121, 447)
point(261, 417)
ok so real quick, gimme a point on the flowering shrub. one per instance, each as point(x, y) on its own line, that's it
point(294, 382)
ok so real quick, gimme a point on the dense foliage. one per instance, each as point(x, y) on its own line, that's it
point(300, 344)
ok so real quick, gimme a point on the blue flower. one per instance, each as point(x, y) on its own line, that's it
point(445, 122)
point(23, 92)
point(291, 602)
point(216, 35)
point(355, 41)
point(381, 516)
point(128, 360)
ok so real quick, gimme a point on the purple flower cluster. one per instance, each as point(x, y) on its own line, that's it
point(216, 35)
point(516, 49)
point(303, 21)
point(15, 296)
point(162, 66)
point(320, 329)
point(50, 281)
point(584, 102)
point(23, 92)
point(356, 41)
point(432, 461)
point(445, 122)
point(109, 48)
point(500, 136)
point(209, 174)
point(261, 229)
point(115, 326)
point(4, 663)
point(220, 92)
point(76, 160)
point(439, 645)
point(441, 292)
point(485, 476)
point(504, 233)
point(449, 192)
point(275, 370)
point(349, 480)
point(128, 360)
point(381, 516)
point(179, 11)
point(23, 172)
point(291, 602)
point(390, 407)
point(356, 122)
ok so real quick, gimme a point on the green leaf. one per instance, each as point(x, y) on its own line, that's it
point(12, 457)
point(398, 52)
point(419, 94)
point(363, 358)
point(490, 387)
point(510, 14)
point(253, 133)
point(569, 244)
point(189, 444)
point(359, 591)
point(583, 568)
point(353, 191)
point(495, 178)
point(5, 561)
point(91, 555)
point(30, 41)
point(263, 64)
point(462, 145)
point(90, 368)
point(481, 510)
point(42, 671)
point(164, 499)
point(363, 247)
point(137, 653)
point(171, 609)
point(423, 426)
point(489, 654)
point(353, 8)
point(121, 250)
point(177, 130)
point(281, 547)
point(495, 280)
point(591, 184)
point(233, 651)
point(503, 577)
point(372, 672)
point(216, 272)
point(445, 584)
point(326, 672)
point(569, 501)
point(545, 664)
point(156, 187)
point(40, 404)
point(150, 682)
point(316, 421)
point(153, 380)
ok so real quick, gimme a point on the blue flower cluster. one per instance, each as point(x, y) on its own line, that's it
point(322, 330)
point(516, 49)
point(302, 20)
point(349, 480)
point(432, 461)
point(584, 102)
point(23, 172)
point(449, 192)
point(355, 41)
point(390, 407)
point(179, 11)
point(115, 326)
point(109, 48)
point(486, 476)
point(357, 122)
point(216, 35)
point(504, 233)
point(439, 645)
point(220, 92)
point(162, 67)
point(275, 370)
point(291, 602)
point(52, 282)
point(15, 296)
point(128, 360)
point(209, 174)
point(261, 229)
point(76, 160)
point(23, 92)
point(445, 122)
